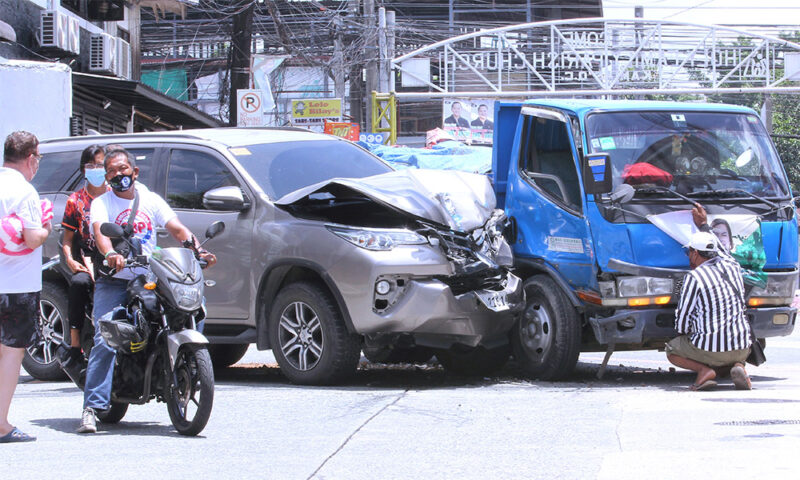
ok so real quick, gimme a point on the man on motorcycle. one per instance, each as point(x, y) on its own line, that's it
point(121, 206)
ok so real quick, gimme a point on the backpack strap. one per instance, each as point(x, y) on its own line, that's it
point(132, 217)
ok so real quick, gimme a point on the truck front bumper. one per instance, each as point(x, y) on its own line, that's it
point(643, 326)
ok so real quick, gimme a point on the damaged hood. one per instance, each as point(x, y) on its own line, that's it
point(458, 200)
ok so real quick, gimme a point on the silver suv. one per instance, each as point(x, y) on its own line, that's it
point(327, 250)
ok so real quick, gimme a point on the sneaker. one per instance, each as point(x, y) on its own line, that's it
point(88, 421)
point(740, 378)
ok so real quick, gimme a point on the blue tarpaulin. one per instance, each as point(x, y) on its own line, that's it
point(446, 155)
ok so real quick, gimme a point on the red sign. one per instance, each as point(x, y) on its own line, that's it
point(346, 130)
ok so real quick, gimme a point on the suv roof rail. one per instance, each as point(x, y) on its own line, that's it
point(193, 133)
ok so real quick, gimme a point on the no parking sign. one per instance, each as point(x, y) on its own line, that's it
point(250, 108)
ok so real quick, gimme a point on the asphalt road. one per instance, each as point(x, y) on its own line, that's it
point(402, 422)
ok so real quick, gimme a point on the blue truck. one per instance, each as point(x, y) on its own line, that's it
point(599, 196)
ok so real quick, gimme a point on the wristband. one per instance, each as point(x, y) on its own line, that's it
point(109, 253)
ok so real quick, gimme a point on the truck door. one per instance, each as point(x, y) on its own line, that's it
point(545, 196)
point(191, 172)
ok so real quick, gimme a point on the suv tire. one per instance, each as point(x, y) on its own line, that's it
point(40, 358)
point(309, 338)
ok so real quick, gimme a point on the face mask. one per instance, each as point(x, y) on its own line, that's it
point(95, 176)
point(121, 183)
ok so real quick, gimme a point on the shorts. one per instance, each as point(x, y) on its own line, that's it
point(683, 347)
point(18, 315)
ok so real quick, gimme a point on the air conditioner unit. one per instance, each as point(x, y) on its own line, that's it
point(102, 53)
point(56, 31)
point(74, 36)
point(123, 58)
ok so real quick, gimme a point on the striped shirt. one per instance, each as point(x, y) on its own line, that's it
point(711, 308)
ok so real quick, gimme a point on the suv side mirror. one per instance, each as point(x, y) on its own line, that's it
point(225, 198)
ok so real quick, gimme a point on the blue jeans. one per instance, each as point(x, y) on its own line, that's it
point(109, 293)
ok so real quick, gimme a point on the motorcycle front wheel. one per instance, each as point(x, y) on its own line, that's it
point(190, 390)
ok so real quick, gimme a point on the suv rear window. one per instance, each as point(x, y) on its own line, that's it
point(281, 168)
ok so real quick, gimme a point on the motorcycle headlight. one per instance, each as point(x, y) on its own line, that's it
point(377, 239)
point(187, 296)
point(643, 286)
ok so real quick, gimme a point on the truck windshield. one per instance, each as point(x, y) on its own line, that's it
point(283, 167)
point(689, 152)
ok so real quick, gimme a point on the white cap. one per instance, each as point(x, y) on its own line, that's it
point(703, 242)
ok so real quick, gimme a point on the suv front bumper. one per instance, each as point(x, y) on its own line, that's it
point(436, 317)
point(643, 326)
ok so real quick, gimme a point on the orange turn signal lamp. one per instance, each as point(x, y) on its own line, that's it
point(592, 297)
point(150, 286)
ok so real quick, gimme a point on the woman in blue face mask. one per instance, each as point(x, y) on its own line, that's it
point(80, 252)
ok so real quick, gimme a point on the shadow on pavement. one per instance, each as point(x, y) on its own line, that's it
point(144, 429)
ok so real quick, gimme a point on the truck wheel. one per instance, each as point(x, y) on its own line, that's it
point(53, 325)
point(224, 355)
point(547, 337)
point(309, 338)
point(476, 361)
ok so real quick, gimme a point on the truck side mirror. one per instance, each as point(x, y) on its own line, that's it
point(597, 173)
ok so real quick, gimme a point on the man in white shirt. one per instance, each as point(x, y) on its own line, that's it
point(115, 206)
point(20, 271)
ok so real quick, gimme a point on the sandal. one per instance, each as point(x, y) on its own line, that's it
point(740, 378)
point(707, 385)
point(15, 435)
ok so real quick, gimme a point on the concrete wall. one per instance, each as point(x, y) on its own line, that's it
point(36, 97)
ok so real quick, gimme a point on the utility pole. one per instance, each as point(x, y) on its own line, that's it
point(241, 40)
point(338, 59)
point(390, 46)
point(370, 60)
point(356, 69)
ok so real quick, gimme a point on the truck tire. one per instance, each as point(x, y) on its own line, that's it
point(478, 361)
point(53, 324)
point(224, 354)
point(309, 338)
point(547, 337)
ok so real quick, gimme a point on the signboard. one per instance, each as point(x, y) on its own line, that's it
point(601, 54)
point(469, 120)
point(346, 130)
point(374, 138)
point(250, 108)
point(312, 112)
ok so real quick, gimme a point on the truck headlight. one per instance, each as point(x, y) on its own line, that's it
point(778, 291)
point(643, 286)
point(377, 239)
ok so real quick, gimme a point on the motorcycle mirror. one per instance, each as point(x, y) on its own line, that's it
point(623, 193)
point(215, 229)
point(112, 230)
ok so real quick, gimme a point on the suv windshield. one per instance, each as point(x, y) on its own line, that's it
point(281, 168)
point(689, 152)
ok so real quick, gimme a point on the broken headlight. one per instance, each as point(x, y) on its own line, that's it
point(377, 239)
point(643, 286)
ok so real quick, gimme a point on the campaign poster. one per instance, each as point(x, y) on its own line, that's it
point(482, 120)
point(457, 114)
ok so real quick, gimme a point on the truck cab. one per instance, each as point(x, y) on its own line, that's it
point(599, 196)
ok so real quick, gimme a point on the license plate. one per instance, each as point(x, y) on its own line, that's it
point(495, 301)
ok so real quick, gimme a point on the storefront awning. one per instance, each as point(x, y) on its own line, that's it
point(145, 100)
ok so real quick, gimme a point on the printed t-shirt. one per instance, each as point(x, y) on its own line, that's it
point(76, 218)
point(153, 213)
point(23, 273)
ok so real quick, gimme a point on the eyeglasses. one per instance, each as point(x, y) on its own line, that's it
point(36, 156)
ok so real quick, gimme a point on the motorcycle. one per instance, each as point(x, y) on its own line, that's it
point(161, 355)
